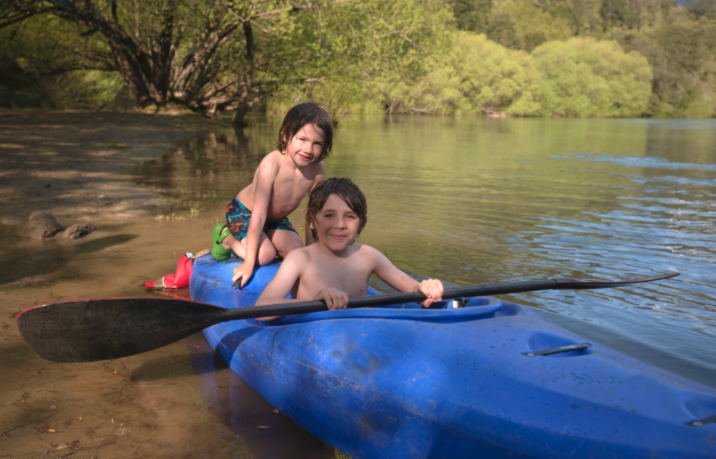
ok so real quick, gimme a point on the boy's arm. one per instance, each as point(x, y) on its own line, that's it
point(265, 177)
point(277, 290)
point(281, 285)
point(388, 273)
point(319, 178)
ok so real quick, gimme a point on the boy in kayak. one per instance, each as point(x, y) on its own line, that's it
point(257, 226)
point(335, 267)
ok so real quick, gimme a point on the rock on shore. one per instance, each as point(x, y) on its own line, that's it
point(78, 230)
point(41, 225)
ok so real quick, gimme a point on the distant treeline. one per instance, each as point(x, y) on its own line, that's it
point(571, 58)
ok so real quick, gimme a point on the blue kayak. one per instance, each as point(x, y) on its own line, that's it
point(491, 379)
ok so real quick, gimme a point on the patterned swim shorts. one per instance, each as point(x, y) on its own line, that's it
point(238, 218)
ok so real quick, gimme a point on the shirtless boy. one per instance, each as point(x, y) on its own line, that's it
point(335, 268)
point(257, 227)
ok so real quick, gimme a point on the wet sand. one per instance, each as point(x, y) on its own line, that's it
point(76, 165)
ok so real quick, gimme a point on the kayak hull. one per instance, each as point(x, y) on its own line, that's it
point(407, 382)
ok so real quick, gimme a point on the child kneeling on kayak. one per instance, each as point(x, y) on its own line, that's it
point(335, 268)
point(257, 226)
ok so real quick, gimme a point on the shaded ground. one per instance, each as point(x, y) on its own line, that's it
point(75, 165)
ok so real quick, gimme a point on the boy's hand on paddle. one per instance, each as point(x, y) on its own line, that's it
point(243, 272)
point(433, 289)
point(335, 299)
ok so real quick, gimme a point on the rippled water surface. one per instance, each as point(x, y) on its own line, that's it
point(476, 201)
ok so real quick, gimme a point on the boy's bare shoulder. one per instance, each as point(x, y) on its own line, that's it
point(300, 255)
point(317, 169)
point(272, 158)
point(366, 249)
point(271, 163)
point(367, 252)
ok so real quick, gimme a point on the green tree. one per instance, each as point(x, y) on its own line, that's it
point(49, 52)
point(365, 55)
point(197, 53)
point(584, 77)
point(477, 75)
point(472, 15)
point(634, 15)
point(516, 24)
point(682, 53)
point(19, 87)
point(705, 8)
point(534, 26)
point(586, 16)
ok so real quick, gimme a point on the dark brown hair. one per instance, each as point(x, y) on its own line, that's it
point(345, 189)
point(301, 115)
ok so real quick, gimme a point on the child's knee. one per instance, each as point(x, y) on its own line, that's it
point(267, 253)
point(287, 243)
point(295, 242)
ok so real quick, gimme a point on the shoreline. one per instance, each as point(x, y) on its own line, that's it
point(77, 164)
point(78, 167)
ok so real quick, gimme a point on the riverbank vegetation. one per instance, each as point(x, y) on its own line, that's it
point(568, 58)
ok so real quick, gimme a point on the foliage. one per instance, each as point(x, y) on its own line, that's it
point(365, 55)
point(705, 8)
point(472, 15)
point(20, 87)
point(90, 89)
point(44, 57)
point(449, 57)
point(583, 77)
point(193, 52)
point(634, 15)
point(682, 53)
point(516, 24)
point(478, 75)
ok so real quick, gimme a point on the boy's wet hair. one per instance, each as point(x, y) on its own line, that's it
point(301, 115)
point(345, 189)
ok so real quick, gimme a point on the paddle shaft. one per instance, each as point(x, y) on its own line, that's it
point(305, 307)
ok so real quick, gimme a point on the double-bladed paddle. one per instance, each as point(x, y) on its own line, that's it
point(110, 328)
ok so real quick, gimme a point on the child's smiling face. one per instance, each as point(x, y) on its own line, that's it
point(336, 225)
point(306, 146)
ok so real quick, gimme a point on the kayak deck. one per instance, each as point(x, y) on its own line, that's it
point(405, 382)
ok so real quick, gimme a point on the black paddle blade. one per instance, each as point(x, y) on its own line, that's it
point(101, 329)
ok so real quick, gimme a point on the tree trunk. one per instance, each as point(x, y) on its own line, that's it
point(148, 58)
point(243, 103)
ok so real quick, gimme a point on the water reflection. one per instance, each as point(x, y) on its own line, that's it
point(477, 201)
point(240, 408)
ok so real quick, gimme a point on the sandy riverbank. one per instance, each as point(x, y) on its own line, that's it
point(76, 165)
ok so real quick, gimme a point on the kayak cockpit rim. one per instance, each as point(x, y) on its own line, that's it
point(444, 311)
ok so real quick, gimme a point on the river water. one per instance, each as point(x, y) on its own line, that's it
point(477, 201)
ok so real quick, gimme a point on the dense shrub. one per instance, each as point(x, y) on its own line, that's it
point(683, 55)
point(583, 77)
point(478, 75)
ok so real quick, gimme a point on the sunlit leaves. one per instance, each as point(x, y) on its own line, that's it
point(477, 75)
point(363, 55)
point(584, 77)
